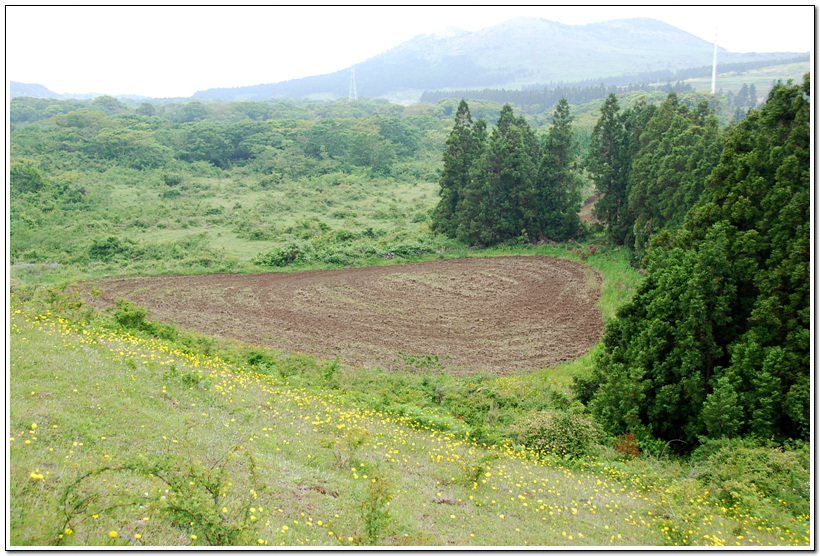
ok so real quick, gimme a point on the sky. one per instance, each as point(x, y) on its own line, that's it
point(162, 51)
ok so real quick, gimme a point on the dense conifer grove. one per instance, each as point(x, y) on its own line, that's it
point(506, 186)
point(716, 341)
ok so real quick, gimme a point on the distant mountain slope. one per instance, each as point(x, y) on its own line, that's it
point(32, 90)
point(518, 52)
point(35, 90)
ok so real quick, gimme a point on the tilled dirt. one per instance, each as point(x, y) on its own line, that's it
point(501, 314)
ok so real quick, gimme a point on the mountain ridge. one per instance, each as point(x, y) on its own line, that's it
point(517, 53)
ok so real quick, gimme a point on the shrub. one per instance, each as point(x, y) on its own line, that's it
point(286, 254)
point(161, 330)
point(567, 434)
point(171, 178)
point(344, 447)
point(25, 176)
point(409, 249)
point(375, 512)
point(129, 315)
point(419, 363)
point(170, 194)
point(260, 234)
point(106, 249)
point(741, 474)
point(627, 445)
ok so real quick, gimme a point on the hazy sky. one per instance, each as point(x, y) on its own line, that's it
point(175, 51)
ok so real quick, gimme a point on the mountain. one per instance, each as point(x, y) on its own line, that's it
point(32, 90)
point(516, 53)
point(35, 90)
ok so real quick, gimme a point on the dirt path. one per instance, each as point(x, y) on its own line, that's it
point(502, 314)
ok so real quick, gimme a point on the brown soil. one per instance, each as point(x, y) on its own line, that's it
point(502, 314)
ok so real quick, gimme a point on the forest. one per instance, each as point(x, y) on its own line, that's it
point(538, 99)
point(715, 342)
point(688, 211)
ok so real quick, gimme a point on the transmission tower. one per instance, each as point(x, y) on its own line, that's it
point(353, 94)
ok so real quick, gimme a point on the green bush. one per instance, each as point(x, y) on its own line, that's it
point(171, 178)
point(286, 254)
point(566, 434)
point(170, 194)
point(106, 249)
point(25, 176)
point(427, 418)
point(742, 475)
point(129, 315)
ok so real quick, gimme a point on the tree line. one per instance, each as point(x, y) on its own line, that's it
point(88, 138)
point(541, 98)
point(715, 343)
point(504, 185)
point(650, 164)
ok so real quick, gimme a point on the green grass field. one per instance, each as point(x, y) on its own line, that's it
point(120, 439)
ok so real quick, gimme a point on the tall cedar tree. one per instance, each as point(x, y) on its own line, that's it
point(613, 145)
point(494, 206)
point(677, 150)
point(716, 340)
point(602, 163)
point(464, 146)
point(558, 193)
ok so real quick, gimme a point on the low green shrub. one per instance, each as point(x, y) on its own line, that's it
point(566, 434)
point(375, 511)
point(742, 474)
point(428, 418)
point(129, 315)
point(106, 249)
point(284, 255)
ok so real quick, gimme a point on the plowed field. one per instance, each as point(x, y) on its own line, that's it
point(502, 314)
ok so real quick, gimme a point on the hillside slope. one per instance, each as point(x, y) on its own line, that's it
point(517, 52)
point(119, 440)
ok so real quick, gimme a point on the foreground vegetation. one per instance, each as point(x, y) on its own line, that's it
point(119, 437)
point(128, 431)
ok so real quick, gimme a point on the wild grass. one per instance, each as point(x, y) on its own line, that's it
point(119, 438)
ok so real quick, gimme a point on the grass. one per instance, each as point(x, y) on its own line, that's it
point(120, 439)
point(230, 225)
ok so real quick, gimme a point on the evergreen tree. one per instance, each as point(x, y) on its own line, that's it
point(492, 210)
point(558, 194)
point(679, 148)
point(742, 98)
point(722, 317)
point(762, 190)
point(602, 163)
point(463, 147)
point(752, 96)
point(613, 146)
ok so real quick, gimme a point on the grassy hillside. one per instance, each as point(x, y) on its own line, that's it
point(126, 431)
point(117, 438)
